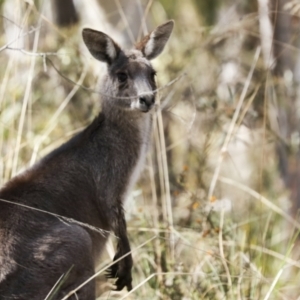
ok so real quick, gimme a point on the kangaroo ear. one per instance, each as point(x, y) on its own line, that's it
point(101, 46)
point(153, 44)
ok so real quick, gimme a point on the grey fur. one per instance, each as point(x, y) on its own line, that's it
point(86, 179)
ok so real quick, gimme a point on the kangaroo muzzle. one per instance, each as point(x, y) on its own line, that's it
point(146, 102)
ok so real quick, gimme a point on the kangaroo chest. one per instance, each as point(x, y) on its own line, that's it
point(144, 137)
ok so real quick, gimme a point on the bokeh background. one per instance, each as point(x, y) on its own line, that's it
point(215, 212)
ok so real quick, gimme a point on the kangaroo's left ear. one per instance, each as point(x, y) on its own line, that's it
point(100, 45)
point(153, 44)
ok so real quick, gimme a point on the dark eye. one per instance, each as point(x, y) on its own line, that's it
point(122, 77)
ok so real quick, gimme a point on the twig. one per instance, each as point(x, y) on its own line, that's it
point(30, 53)
point(232, 125)
point(103, 269)
point(222, 256)
point(274, 283)
point(11, 21)
point(167, 195)
point(124, 19)
point(143, 22)
point(51, 124)
point(61, 218)
point(266, 33)
point(25, 103)
point(54, 287)
point(44, 55)
point(261, 198)
point(21, 36)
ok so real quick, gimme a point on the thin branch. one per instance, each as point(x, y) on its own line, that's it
point(222, 255)
point(143, 29)
point(103, 269)
point(25, 101)
point(274, 283)
point(63, 219)
point(51, 124)
point(5, 47)
point(266, 32)
point(124, 19)
point(160, 129)
point(11, 21)
point(232, 126)
point(44, 55)
point(261, 198)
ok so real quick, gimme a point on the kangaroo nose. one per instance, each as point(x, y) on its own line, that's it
point(146, 102)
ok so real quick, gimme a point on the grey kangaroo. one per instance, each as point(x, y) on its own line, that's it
point(86, 179)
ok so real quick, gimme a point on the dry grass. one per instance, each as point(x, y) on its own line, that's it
point(209, 218)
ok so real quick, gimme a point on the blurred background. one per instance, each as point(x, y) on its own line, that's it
point(215, 212)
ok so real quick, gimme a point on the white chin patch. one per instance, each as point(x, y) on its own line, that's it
point(110, 49)
point(134, 105)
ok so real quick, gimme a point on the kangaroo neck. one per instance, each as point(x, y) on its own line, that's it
point(132, 132)
point(128, 120)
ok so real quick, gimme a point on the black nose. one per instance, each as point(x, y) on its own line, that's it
point(146, 101)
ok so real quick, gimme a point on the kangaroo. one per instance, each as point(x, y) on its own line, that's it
point(86, 179)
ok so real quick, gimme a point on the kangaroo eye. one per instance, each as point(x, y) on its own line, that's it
point(122, 77)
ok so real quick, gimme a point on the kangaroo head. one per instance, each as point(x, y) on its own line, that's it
point(130, 82)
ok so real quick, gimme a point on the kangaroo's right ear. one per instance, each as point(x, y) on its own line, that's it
point(153, 44)
point(101, 46)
